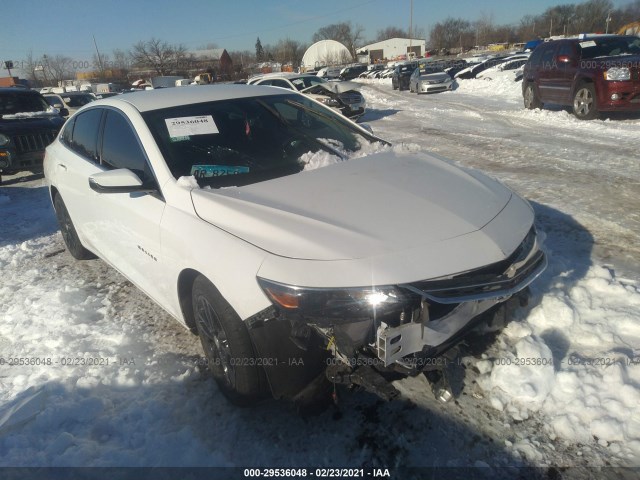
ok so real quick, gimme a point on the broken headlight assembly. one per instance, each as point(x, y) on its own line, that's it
point(329, 306)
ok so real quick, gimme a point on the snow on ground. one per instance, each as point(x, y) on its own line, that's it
point(103, 377)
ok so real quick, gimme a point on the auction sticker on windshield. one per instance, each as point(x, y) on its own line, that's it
point(184, 126)
point(203, 171)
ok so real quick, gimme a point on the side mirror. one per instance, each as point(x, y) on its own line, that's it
point(63, 112)
point(121, 180)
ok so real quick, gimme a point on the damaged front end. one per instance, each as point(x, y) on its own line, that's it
point(368, 332)
point(345, 98)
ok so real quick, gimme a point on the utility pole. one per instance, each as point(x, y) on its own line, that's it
point(410, 28)
point(98, 54)
point(551, 28)
point(8, 65)
point(608, 20)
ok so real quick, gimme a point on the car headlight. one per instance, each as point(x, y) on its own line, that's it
point(4, 140)
point(331, 102)
point(617, 74)
point(341, 305)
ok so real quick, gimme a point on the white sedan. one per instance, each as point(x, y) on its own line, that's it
point(257, 219)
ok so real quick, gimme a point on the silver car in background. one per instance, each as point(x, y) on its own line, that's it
point(430, 80)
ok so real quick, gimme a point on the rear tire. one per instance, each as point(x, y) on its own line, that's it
point(227, 346)
point(69, 234)
point(531, 100)
point(585, 106)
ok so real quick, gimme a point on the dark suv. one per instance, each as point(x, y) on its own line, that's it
point(401, 75)
point(592, 74)
point(27, 126)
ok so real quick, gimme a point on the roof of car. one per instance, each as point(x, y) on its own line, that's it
point(173, 97)
point(66, 94)
point(282, 75)
point(25, 91)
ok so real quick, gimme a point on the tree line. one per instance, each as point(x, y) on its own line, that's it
point(567, 19)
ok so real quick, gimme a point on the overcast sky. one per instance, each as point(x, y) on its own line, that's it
point(66, 27)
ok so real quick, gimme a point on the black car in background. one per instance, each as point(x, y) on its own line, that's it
point(27, 126)
point(352, 71)
point(402, 74)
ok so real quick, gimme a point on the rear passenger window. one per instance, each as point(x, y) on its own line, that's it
point(566, 49)
point(67, 133)
point(121, 149)
point(547, 57)
point(85, 134)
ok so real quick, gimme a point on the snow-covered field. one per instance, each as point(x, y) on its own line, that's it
point(106, 378)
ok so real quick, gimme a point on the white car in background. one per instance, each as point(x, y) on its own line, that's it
point(508, 69)
point(341, 96)
point(256, 218)
point(72, 101)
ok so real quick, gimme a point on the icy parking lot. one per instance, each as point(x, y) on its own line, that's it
point(108, 379)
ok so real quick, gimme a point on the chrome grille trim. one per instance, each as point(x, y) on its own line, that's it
point(33, 142)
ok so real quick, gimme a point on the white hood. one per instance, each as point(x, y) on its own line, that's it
point(335, 87)
point(374, 205)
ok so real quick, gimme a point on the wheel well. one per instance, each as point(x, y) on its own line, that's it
point(53, 192)
point(579, 82)
point(185, 287)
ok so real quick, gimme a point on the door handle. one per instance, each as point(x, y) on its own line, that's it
point(63, 166)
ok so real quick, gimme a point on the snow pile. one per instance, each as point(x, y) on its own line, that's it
point(50, 112)
point(576, 359)
point(188, 182)
point(503, 87)
point(321, 158)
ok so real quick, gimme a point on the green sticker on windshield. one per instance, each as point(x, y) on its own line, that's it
point(203, 171)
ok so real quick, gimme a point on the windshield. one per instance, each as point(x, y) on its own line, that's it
point(77, 100)
point(610, 47)
point(13, 103)
point(305, 82)
point(249, 140)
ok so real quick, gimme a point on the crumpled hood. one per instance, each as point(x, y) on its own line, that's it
point(374, 205)
point(335, 87)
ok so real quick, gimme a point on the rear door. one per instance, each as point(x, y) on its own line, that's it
point(566, 70)
point(547, 74)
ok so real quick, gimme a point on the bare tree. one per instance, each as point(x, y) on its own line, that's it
point(344, 32)
point(58, 68)
point(289, 51)
point(158, 55)
point(452, 33)
point(391, 32)
point(591, 15)
point(31, 66)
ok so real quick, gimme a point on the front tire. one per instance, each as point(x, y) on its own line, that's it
point(531, 100)
point(584, 102)
point(227, 346)
point(69, 234)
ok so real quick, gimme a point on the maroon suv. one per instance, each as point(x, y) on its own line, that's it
point(592, 74)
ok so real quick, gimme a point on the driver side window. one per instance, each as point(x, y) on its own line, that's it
point(121, 148)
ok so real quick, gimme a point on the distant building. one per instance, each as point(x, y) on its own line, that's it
point(325, 53)
point(394, 48)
